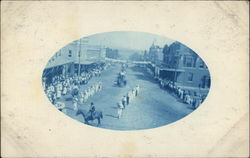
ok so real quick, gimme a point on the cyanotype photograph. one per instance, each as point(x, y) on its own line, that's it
point(126, 80)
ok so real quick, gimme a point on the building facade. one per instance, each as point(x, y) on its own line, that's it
point(155, 54)
point(112, 53)
point(184, 67)
point(75, 58)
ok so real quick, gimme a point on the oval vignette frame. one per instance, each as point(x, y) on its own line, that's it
point(126, 80)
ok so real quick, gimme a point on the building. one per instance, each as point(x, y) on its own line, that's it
point(74, 58)
point(156, 57)
point(112, 53)
point(179, 64)
point(184, 67)
point(94, 53)
point(155, 54)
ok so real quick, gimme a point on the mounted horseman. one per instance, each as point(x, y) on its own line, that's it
point(91, 115)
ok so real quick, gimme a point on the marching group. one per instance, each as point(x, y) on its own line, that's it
point(81, 96)
point(126, 100)
point(194, 99)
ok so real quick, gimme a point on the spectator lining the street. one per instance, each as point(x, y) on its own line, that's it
point(187, 97)
point(62, 85)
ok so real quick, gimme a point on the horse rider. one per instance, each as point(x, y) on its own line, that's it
point(92, 109)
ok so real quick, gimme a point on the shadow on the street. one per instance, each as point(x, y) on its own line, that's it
point(69, 108)
point(114, 107)
point(110, 115)
point(189, 107)
point(138, 69)
point(68, 99)
point(144, 74)
point(115, 85)
point(146, 78)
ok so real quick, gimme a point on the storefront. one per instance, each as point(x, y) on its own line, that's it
point(170, 74)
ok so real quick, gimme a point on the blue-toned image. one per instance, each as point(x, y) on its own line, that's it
point(126, 80)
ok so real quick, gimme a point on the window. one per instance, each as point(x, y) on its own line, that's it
point(70, 53)
point(190, 76)
point(189, 62)
point(201, 65)
point(176, 62)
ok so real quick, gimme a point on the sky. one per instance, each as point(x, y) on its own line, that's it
point(128, 40)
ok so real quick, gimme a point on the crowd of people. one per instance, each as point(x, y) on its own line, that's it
point(61, 85)
point(192, 98)
point(126, 100)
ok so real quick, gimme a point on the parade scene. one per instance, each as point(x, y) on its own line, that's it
point(99, 82)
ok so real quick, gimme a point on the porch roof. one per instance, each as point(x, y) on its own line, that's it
point(171, 69)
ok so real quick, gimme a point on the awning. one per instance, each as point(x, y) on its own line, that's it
point(56, 65)
point(84, 62)
point(193, 88)
point(172, 70)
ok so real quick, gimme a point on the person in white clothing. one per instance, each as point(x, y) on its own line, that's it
point(124, 101)
point(64, 92)
point(133, 93)
point(81, 97)
point(75, 106)
point(119, 109)
point(58, 94)
point(137, 89)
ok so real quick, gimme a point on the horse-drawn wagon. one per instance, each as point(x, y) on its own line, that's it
point(121, 79)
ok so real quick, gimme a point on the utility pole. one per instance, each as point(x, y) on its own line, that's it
point(79, 56)
point(176, 66)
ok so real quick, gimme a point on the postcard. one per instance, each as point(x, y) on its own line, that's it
point(124, 79)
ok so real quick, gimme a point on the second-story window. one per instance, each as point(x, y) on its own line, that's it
point(201, 64)
point(70, 53)
point(189, 62)
point(190, 76)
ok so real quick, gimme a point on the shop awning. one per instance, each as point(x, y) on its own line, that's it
point(173, 70)
point(51, 65)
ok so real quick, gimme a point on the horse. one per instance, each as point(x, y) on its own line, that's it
point(88, 117)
